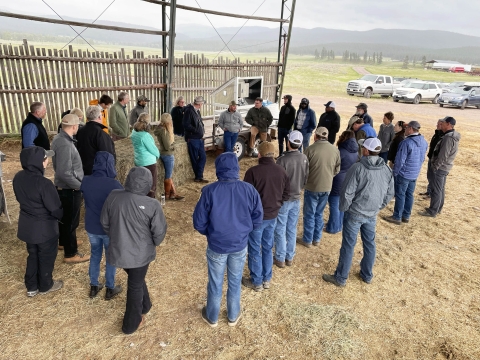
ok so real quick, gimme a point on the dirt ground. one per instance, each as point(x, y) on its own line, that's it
point(424, 302)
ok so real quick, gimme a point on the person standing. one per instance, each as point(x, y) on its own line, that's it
point(126, 213)
point(386, 134)
point(408, 163)
point(145, 152)
point(260, 118)
point(348, 147)
point(433, 142)
point(177, 116)
point(305, 122)
point(286, 118)
point(368, 188)
point(362, 112)
point(118, 117)
point(441, 163)
point(330, 120)
point(40, 211)
point(140, 108)
point(33, 132)
point(194, 132)
point(228, 210)
point(324, 164)
point(68, 178)
point(296, 166)
point(92, 138)
point(95, 189)
point(105, 102)
point(399, 137)
point(166, 141)
point(231, 123)
point(272, 183)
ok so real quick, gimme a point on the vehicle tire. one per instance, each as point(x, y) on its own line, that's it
point(417, 99)
point(367, 93)
point(239, 148)
point(441, 105)
point(351, 94)
point(385, 96)
point(396, 100)
point(435, 99)
point(464, 104)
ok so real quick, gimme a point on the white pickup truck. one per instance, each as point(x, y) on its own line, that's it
point(369, 85)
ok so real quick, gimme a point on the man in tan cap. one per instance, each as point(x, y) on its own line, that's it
point(273, 185)
point(231, 123)
point(68, 178)
point(324, 164)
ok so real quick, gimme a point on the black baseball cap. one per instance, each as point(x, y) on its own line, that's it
point(448, 119)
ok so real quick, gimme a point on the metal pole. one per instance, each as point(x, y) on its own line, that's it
point(164, 55)
point(279, 48)
point(284, 67)
point(171, 53)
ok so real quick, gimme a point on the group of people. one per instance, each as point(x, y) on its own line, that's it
point(257, 216)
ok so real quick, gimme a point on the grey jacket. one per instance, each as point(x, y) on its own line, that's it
point(296, 165)
point(135, 113)
point(66, 162)
point(386, 135)
point(233, 122)
point(134, 222)
point(368, 187)
point(445, 151)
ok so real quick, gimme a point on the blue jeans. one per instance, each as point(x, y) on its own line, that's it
point(168, 164)
point(229, 140)
point(313, 205)
point(335, 219)
point(97, 243)
point(351, 225)
point(384, 156)
point(306, 141)
point(198, 157)
point(286, 230)
point(404, 189)
point(282, 138)
point(260, 258)
point(217, 263)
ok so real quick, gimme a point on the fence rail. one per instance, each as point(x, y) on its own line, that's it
point(64, 79)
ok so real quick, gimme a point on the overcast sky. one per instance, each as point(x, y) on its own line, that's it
point(456, 16)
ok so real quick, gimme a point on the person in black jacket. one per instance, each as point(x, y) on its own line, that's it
point(92, 138)
point(33, 132)
point(40, 211)
point(285, 122)
point(330, 120)
point(177, 116)
point(399, 137)
point(433, 142)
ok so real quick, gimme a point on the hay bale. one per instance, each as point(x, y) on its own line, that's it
point(182, 172)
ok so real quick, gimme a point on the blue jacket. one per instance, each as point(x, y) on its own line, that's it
point(310, 123)
point(229, 209)
point(367, 119)
point(348, 156)
point(410, 157)
point(96, 188)
point(369, 130)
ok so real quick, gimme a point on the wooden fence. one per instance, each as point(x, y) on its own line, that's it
point(64, 79)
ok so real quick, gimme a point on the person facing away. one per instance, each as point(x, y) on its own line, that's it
point(330, 120)
point(140, 108)
point(177, 116)
point(437, 136)
point(231, 123)
point(74, 111)
point(228, 210)
point(105, 102)
point(95, 189)
point(273, 185)
point(386, 134)
point(260, 118)
point(296, 166)
point(305, 122)
point(368, 187)
point(40, 211)
point(118, 117)
point(399, 137)
point(33, 132)
point(136, 225)
point(362, 132)
point(286, 118)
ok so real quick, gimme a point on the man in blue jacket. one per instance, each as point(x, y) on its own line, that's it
point(95, 189)
point(228, 210)
point(305, 122)
point(408, 163)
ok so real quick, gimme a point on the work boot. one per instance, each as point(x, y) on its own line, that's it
point(392, 220)
point(57, 285)
point(247, 282)
point(167, 187)
point(78, 258)
point(111, 293)
point(94, 290)
point(173, 192)
point(331, 279)
point(280, 264)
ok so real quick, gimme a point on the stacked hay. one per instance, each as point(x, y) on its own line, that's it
point(182, 171)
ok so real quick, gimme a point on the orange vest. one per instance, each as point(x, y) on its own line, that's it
point(104, 114)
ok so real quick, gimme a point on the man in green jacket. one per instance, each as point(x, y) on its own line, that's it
point(260, 118)
point(118, 117)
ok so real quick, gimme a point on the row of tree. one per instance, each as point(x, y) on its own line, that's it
point(406, 61)
point(375, 58)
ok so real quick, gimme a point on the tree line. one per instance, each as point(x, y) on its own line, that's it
point(350, 56)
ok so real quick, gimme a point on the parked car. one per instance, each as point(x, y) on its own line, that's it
point(453, 85)
point(461, 97)
point(369, 85)
point(417, 92)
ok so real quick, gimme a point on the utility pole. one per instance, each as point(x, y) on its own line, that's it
point(171, 54)
point(289, 35)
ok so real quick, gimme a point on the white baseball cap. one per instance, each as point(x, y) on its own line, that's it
point(371, 144)
point(295, 137)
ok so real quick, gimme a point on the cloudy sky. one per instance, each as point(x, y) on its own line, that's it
point(340, 14)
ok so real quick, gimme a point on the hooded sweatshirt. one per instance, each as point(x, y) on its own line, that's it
point(134, 222)
point(229, 209)
point(96, 188)
point(445, 151)
point(368, 187)
point(410, 157)
point(348, 156)
point(331, 121)
point(310, 122)
point(286, 118)
point(40, 206)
